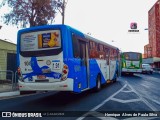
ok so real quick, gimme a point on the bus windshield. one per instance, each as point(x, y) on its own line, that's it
point(35, 43)
point(132, 56)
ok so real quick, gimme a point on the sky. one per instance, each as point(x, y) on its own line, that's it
point(106, 20)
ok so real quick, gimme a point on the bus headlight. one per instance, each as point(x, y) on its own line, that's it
point(124, 65)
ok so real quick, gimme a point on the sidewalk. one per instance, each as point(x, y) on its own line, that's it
point(10, 93)
point(6, 91)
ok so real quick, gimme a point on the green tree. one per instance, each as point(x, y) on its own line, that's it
point(31, 12)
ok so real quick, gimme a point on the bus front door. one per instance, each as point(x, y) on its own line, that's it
point(84, 64)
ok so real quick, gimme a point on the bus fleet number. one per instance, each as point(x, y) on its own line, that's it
point(56, 65)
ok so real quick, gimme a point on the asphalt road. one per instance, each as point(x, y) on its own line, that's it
point(139, 93)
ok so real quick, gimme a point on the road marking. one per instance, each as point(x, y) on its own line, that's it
point(126, 91)
point(98, 106)
point(152, 99)
point(142, 99)
point(146, 96)
point(125, 101)
point(97, 115)
point(102, 103)
point(149, 78)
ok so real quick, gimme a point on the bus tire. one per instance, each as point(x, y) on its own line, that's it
point(98, 83)
point(27, 92)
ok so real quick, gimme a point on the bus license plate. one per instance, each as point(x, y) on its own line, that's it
point(41, 77)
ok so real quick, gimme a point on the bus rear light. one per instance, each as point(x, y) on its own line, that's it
point(124, 65)
point(64, 72)
point(19, 74)
point(21, 86)
point(19, 71)
point(65, 67)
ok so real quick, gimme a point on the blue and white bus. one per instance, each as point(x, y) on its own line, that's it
point(61, 58)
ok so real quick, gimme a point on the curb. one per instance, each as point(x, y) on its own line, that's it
point(7, 94)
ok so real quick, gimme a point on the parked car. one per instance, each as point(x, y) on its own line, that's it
point(146, 68)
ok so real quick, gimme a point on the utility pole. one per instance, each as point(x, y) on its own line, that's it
point(63, 11)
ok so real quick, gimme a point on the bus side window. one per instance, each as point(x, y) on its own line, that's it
point(111, 54)
point(101, 51)
point(115, 55)
point(75, 43)
point(90, 45)
point(107, 51)
point(96, 50)
point(126, 56)
point(93, 53)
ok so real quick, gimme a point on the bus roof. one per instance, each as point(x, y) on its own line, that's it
point(99, 41)
point(132, 52)
point(93, 39)
point(69, 27)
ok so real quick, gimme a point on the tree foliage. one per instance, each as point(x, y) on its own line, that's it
point(31, 12)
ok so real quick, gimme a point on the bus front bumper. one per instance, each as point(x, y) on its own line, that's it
point(66, 85)
point(131, 70)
